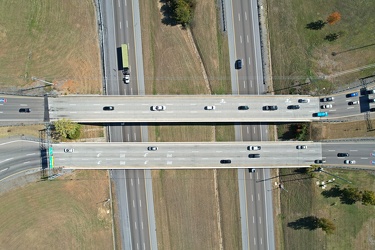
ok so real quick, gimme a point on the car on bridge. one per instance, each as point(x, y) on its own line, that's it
point(270, 108)
point(254, 148)
point(342, 155)
point(158, 108)
point(25, 110)
point(108, 108)
point(243, 107)
point(293, 107)
point(226, 161)
point(320, 114)
point(210, 108)
point(354, 94)
point(326, 106)
point(353, 103)
point(327, 99)
point(303, 100)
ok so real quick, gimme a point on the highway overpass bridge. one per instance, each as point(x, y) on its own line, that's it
point(182, 108)
point(204, 155)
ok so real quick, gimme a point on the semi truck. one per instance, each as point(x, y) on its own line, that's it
point(125, 63)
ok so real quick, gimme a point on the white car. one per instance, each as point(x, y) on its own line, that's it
point(68, 150)
point(126, 79)
point(209, 108)
point(251, 148)
point(158, 108)
point(349, 161)
point(301, 147)
point(326, 106)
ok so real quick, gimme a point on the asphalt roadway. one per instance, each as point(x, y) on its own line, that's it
point(181, 108)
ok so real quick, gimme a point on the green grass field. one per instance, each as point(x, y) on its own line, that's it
point(304, 198)
point(298, 53)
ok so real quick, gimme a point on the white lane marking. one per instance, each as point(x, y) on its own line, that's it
point(245, 15)
point(193, 151)
point(6, 160)
point(260, 220)
point(332, 150)
point(138, 180)
point(128, 137)
point(135, 225)
point(364, 158)
point(133, 203)
point(95, 104)
point(5, 169)
point(131, 91)
point(350, 108)
point(247, 38)
point(73, 112)
point(72, 104)
point(261, 241)
point(255, 242)
point(131, 180)
point(239, 17)
point(254, 130)
point(142, 225)
point(26, 162)
point(135, 136)
point(247, 129)
point(120, 25)
point(258, 197)
point(240, 39)
point(249, 61)
point(244, 84)
point(252, 197)
point(253, 219)
point(251, 83)
point(127, 24)
point(353, 150)
point(140, 203)
point(31, 154)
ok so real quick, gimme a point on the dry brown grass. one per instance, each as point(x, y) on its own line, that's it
point(52, 40)
point(29, 130)
point(190, 213)
point(66, 213)
point(321, 131)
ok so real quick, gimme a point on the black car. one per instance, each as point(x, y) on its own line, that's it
point(238, 64)
point(293, 107)
point(254, 155)
point(270, 108)
point(243, 107)
point(225, 161)
point(342, 155)
point(320, 161)
point(25, 110)
point(251, 170)
point(372, 109)
point(327, 99)
point(108, 108)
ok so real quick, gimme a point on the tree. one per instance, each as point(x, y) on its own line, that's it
point(331, 37)
point(368, 197)
point(351, 195)
point(182, 11)
point(333, 18)
point(326, 225)
point(318, 25)
point(67, 129)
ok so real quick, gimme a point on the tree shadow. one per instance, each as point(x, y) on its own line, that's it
point(309, 222)
point(333, 192)
point(167, 12)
